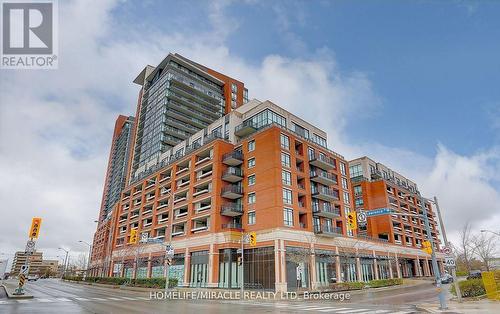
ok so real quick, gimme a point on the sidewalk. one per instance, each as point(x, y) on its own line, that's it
point(10, 286)
point(482, 306)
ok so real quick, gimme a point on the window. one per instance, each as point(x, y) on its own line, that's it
point(287, 196)
point(251, 218)
point(356, 170)
point(285, 142)
point(251, 198)
point(251, 146)
point(251, 179)
point(358, 190)
point(346, 198)
point(359, 202)
point(344, 183)
point(285, 160)
point(251, 162)
point(234, 88)
point(245, 95)
point(318, 140)
point(310, 153)
point(288, 217)
point(286, 177)
point(342, 169)
point(300, 130)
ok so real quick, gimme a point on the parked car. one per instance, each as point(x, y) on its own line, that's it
point(32, 278)
point(474, 274)
point(446, 278)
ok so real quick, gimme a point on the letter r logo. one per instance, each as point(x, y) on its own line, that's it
point(27, 28)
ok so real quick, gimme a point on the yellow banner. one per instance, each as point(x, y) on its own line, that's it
point(490, 284)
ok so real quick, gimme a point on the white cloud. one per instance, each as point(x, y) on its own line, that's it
point(55, 126)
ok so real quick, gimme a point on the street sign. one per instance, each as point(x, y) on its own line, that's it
point(379, 211)
point(22, 279)
point(35, 227)
point(447, 250)
point(449, 262)
point(30, 247)
point(155, 240)
point(238, 251)
point(144, 237)
point(246, 238)
point(362, 218)
point(24, 269)
point(169, 252)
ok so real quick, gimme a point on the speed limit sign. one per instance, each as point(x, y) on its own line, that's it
point(449, 262)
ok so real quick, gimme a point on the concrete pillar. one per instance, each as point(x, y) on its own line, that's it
point(359, 270)
point(427, 272)
point(314, 280)
point(284, 283)
point(375, 269)
point(277, 270)
point(417, 267)
point(337, 265)
point(148, 274)
point(389, 263)
point(210, 282)
point(187, 267)
point(398, 270)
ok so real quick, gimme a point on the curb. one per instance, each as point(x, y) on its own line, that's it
point(13, 296)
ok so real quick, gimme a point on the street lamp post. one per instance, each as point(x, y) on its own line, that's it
point(90, 252)
point(65, 261)
point(495, 233)
point(445, 238)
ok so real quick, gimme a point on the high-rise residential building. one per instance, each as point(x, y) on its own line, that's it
point(258, 168)
point(376, 186)
point(178, 98)
point(114, 183)
point(35, 262)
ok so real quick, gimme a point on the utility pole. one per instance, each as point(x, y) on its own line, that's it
point(453, 270)
point(435, 268)
point(242, 264)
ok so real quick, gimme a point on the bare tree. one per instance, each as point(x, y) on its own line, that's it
point(484, 247)
point(465, 246)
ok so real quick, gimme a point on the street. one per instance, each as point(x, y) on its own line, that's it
point(55, 296)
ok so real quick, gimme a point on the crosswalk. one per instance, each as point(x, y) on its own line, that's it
point(323, 308)
point(72, 299)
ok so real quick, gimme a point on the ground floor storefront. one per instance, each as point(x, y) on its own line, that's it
point(276, 265)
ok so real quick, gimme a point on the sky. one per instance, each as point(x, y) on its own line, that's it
point(412, 84)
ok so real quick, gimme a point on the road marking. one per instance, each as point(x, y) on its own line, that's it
point(115, 299)
point(24, 301)
point(99, 299)
point(127, 298)
point(317, 308)
point(82, 299)
point(63, 299)
point(354, 311)
point(144, 298)
point(4, 302)
point(335, 310)
point(45, 300)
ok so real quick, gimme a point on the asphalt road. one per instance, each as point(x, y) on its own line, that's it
point(54, 296)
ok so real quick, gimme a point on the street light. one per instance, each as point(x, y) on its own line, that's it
point(65, 261)
point(435, 268)
point(495, 233)
point(90, 252)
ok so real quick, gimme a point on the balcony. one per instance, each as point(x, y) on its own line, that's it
point(232, 192)
point(234, 158)
point(232, 225)
point(246, 128)
point(325, 194)
point(322, 177)
point(376, 175)
point(326, 210)
point(323, 162)
point(327, 231)
point(232, 175)
point(231, 209)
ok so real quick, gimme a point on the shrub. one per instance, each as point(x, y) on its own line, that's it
point(343, 286)
point(156, 283)
point(462, 273)
point(385, 282)
point(470, 288)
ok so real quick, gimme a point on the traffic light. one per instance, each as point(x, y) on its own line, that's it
point(253, 239)
point(133, 237)
point(352, 223)
point(427, 247)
